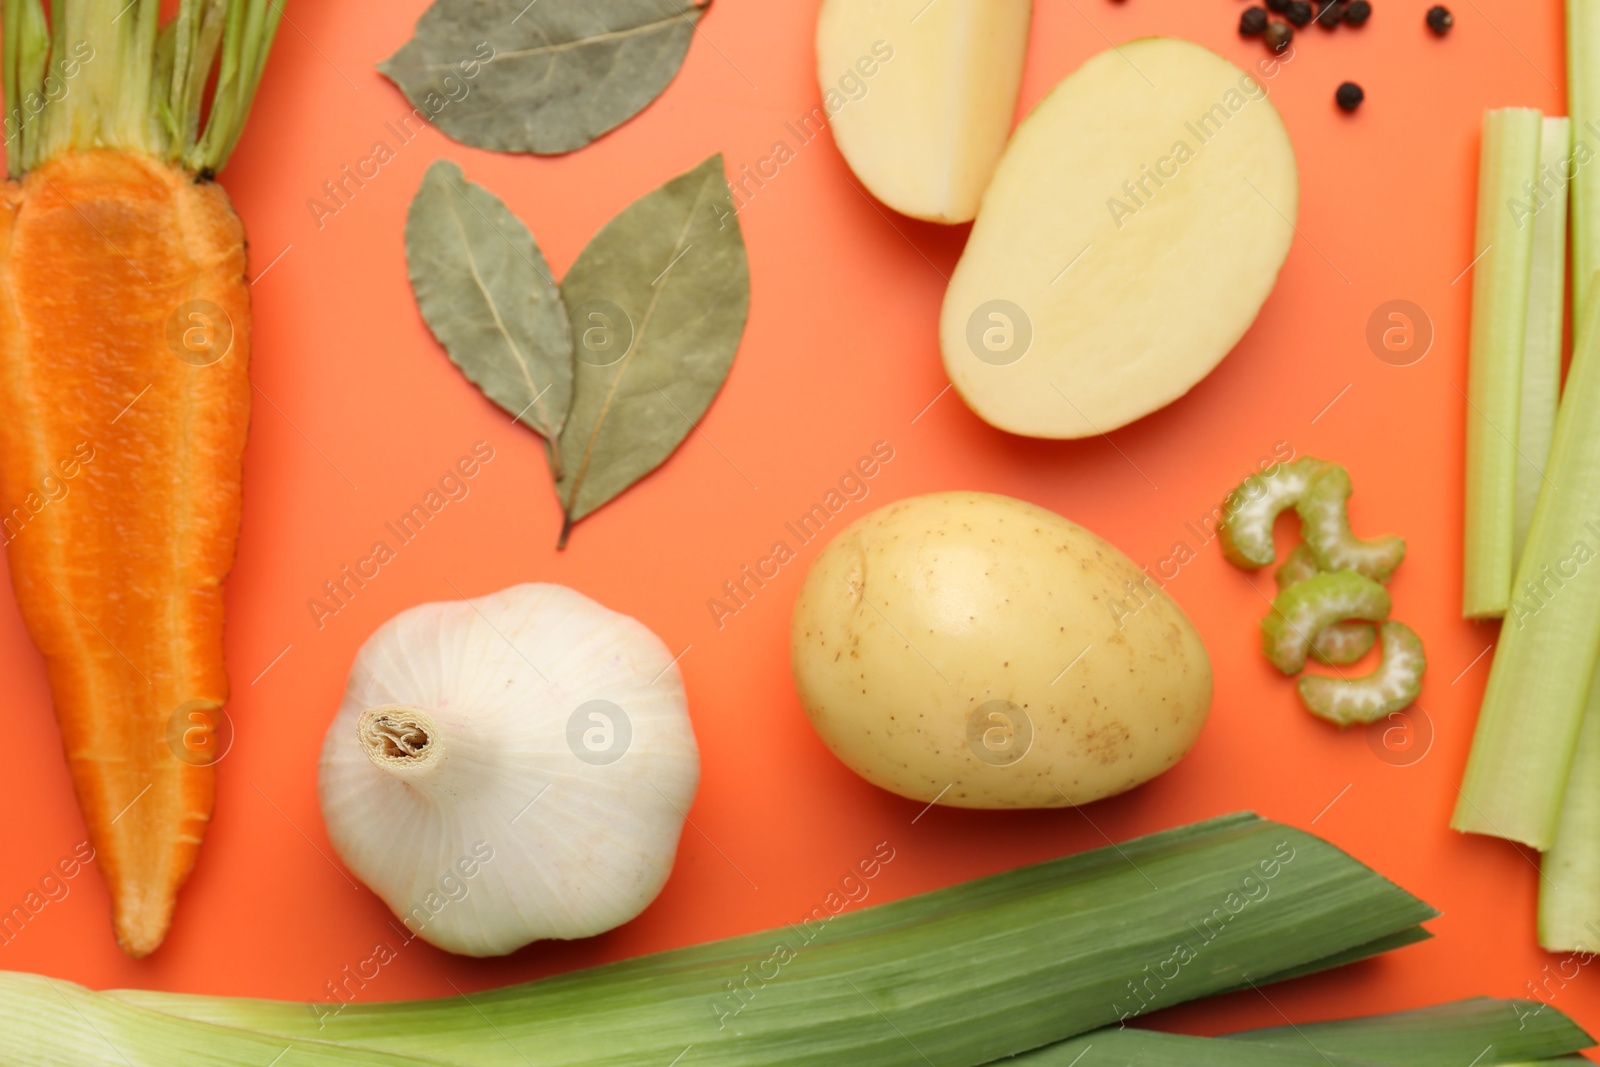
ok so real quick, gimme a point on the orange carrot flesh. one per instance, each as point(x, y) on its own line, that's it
point(121, 279)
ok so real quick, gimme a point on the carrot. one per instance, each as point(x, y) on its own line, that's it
point(124, 400)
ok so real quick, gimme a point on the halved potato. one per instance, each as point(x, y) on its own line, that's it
point(1130, 235)
point(921, 94)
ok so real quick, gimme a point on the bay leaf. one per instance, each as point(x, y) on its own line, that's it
point(546, 77)
point(489, 297)
point(658, 302)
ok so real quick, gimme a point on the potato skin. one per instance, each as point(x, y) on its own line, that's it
point(922, 615)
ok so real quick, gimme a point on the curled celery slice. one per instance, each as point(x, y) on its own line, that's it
point(1394, 685)
point(1336, 645)
point(1343, 642)
point(1252, 508)
point(1306, 609)
point(1300, 564)
point(1325, 523)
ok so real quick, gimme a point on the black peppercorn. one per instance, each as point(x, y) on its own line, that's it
point(1440, 20)
point(1332, 14)
point(1278, 6)
point(1349, 96)
point(1278, 36)
point(1358, 12)
point(1253, 22)
point(1298, 12)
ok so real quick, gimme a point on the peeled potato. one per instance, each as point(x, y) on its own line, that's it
point(924, 127)
point(1131, 233)
point(982, 652)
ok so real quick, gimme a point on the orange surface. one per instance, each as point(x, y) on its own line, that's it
point(358, 413)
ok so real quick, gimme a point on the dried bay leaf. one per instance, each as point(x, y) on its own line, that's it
point(488, 296)
point(545, 77)
point(658, 301)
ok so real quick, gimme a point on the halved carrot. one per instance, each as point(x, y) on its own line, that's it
point(124, 401)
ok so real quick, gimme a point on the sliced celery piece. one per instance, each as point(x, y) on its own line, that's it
point(1541, 351)
point(1306, 609)
point(1504, 244)
point(1583, 105)
point(1340, 644)
point(1298, 565)
point(1250, 510)
point(1481, 1030)
point(1396, 683)
point(1569, 886)
point(1539, 684)
point(1325, 522)
point(968, 974)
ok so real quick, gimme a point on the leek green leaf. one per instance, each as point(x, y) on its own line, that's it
point(1149, 1048)
point(548, 76)
point(486, 292)
point(956, 977)
point(1481, 1030)
point(658, 302)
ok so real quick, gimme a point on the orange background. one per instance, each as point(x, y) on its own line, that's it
point(359, 412)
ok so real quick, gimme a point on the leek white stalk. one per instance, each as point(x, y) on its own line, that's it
point(512, 768)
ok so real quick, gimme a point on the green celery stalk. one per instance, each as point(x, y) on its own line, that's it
point(1583, 105)
point(967, 975)
point(1509, 157)
point(1533, 709)
point(1541, 353)
point(1569, 883)
point(1481, 1031)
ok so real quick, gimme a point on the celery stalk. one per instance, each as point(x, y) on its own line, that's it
point(966, 975)
point(1539, 684)
point(1569, 886)
point(1583, 105)
point(1509, 158)
point(1541, 353)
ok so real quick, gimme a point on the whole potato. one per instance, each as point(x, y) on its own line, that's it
point(986, 653)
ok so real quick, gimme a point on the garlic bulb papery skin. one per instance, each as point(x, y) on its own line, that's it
point(511, 768)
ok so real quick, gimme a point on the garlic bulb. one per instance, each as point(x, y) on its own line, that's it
point(510, 768)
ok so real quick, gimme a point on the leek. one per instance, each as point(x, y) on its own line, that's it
point(1509, 157)
point(1569, 883)
point(961, 976)
point(1541, 352)
point(1538, 688)
point(1481, 1031)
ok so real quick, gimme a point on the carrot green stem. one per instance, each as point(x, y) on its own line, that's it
point(1510, 157)
point(107, 74)
point(1541, 352)
point(1569, 883)
point(1538, 688)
